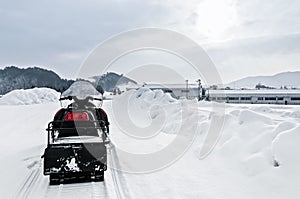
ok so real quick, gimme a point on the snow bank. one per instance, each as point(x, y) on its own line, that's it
point(151, 119)
point(154, 108)
point(295, 114)
point(286, 148)
point(107, 95)
point(243, 163)
point(247, 116)
point(153, 97)
point(30, 96)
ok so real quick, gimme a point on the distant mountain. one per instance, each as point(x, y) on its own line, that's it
point(12, 78)
point(288, 79)
point(110, 80)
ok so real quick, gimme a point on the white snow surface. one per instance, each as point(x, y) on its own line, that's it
point(30, 96)
point(253, 139)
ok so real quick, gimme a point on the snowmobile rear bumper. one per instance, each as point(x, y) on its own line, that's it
point(69, 159)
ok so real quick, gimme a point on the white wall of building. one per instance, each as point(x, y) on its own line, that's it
point(256, 96)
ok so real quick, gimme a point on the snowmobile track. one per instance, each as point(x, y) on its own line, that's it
point(114, 185)
point(98, 190)
point(30, 182)
point(118, 179)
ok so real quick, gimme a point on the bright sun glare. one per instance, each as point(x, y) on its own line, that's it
point(215, 17)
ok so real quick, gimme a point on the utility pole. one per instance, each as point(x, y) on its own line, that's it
point(199, 89)
point(207, 97)
point(187, 89)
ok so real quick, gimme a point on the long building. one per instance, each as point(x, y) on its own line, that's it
point(270, 96)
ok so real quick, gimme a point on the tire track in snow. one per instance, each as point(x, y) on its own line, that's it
point(35, 186)
point(29, 183)
point(117, 176)
point(87, 190)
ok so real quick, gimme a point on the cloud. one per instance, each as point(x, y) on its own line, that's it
point(61, 33)
point(258, 46)
point(35, 32)
point(261, 18)
point(256, 56)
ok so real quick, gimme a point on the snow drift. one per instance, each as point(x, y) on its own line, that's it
point(286, 148)
point(30, 96)
point(255, 157)
point(146, 108)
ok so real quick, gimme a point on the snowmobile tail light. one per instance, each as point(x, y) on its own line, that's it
point(77, 116)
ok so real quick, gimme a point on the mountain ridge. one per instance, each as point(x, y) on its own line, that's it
point(290, 79)
point(109, 81)
point(12, 78)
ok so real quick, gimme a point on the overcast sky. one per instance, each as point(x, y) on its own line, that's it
point(242, 37)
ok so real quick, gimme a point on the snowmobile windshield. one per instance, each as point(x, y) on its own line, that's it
point(83, 90)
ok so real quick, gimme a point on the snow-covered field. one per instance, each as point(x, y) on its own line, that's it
point(256, 155)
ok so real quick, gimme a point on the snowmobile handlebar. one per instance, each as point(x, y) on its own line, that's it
point(65, 98)
point(75, 98)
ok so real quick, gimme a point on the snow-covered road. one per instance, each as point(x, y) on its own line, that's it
point(35, 186)
point(21, 165)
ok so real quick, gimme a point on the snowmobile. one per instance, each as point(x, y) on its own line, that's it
point(77, 137)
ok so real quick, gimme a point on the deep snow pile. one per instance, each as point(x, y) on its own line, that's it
point(146, 106)
point(30, 96)
point(286, 147)
point(256, 155)
point(149, 120)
